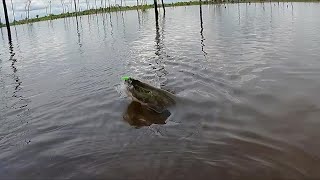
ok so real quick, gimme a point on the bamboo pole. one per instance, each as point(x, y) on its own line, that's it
point(7, 19)
point(156, 9)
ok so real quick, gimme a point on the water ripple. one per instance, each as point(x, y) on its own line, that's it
point(245, 77)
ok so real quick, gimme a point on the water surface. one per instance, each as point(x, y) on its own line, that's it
point(247, 77)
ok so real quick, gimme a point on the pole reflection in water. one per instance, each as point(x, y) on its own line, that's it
point(138, 115)
point(14, 69)
point(17, 39)
point(12, 59)
point(31, 33)
point(271, 12)
point(157, 39)
point(98, 25)
point(2, 35)
point(104, 20)
point(292, 11)
point(123, 25)
point(65, 24)
point(89, 23)
point(161, 72)
point(111, 26)
point(78, 32)
point(139, 20)
point(201, 32)
point(51, 25)
point(21, 102)
point(117, 21)
point(239, 13)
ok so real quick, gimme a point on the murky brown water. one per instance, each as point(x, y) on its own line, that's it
point(247, 80)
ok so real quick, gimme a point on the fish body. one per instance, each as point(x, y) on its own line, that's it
point(154, 98)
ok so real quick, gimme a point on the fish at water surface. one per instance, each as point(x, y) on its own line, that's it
point(154, 98)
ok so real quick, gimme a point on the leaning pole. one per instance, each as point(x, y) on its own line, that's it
point(7, 19)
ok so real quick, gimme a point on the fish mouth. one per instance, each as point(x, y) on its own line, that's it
point(128, 85)
point(129, 88)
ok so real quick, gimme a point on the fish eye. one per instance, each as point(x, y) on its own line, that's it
point(128, 81)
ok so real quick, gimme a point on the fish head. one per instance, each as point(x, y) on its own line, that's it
point(132, 88)
point(129, 84)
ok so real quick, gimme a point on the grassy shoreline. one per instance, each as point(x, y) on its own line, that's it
point(142, 7)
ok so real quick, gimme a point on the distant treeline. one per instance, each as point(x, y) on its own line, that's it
point(141, 7)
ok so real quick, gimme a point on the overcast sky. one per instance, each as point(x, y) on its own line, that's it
point(38, 7)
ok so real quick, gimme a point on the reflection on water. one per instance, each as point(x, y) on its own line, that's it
point(138, 115)
point(78, 32)
point(157, 39)
point(14, 69)
point(123, 24)
point(239, 13)
point(160, 51)
point(201, 31)
point(111, 26)
point(139, 19)
point(246, 78)
point(2, 34)
point(17, 106)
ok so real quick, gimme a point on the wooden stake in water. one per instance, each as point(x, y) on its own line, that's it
point(7, 19)
point(156, 10)
point(164, 10)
